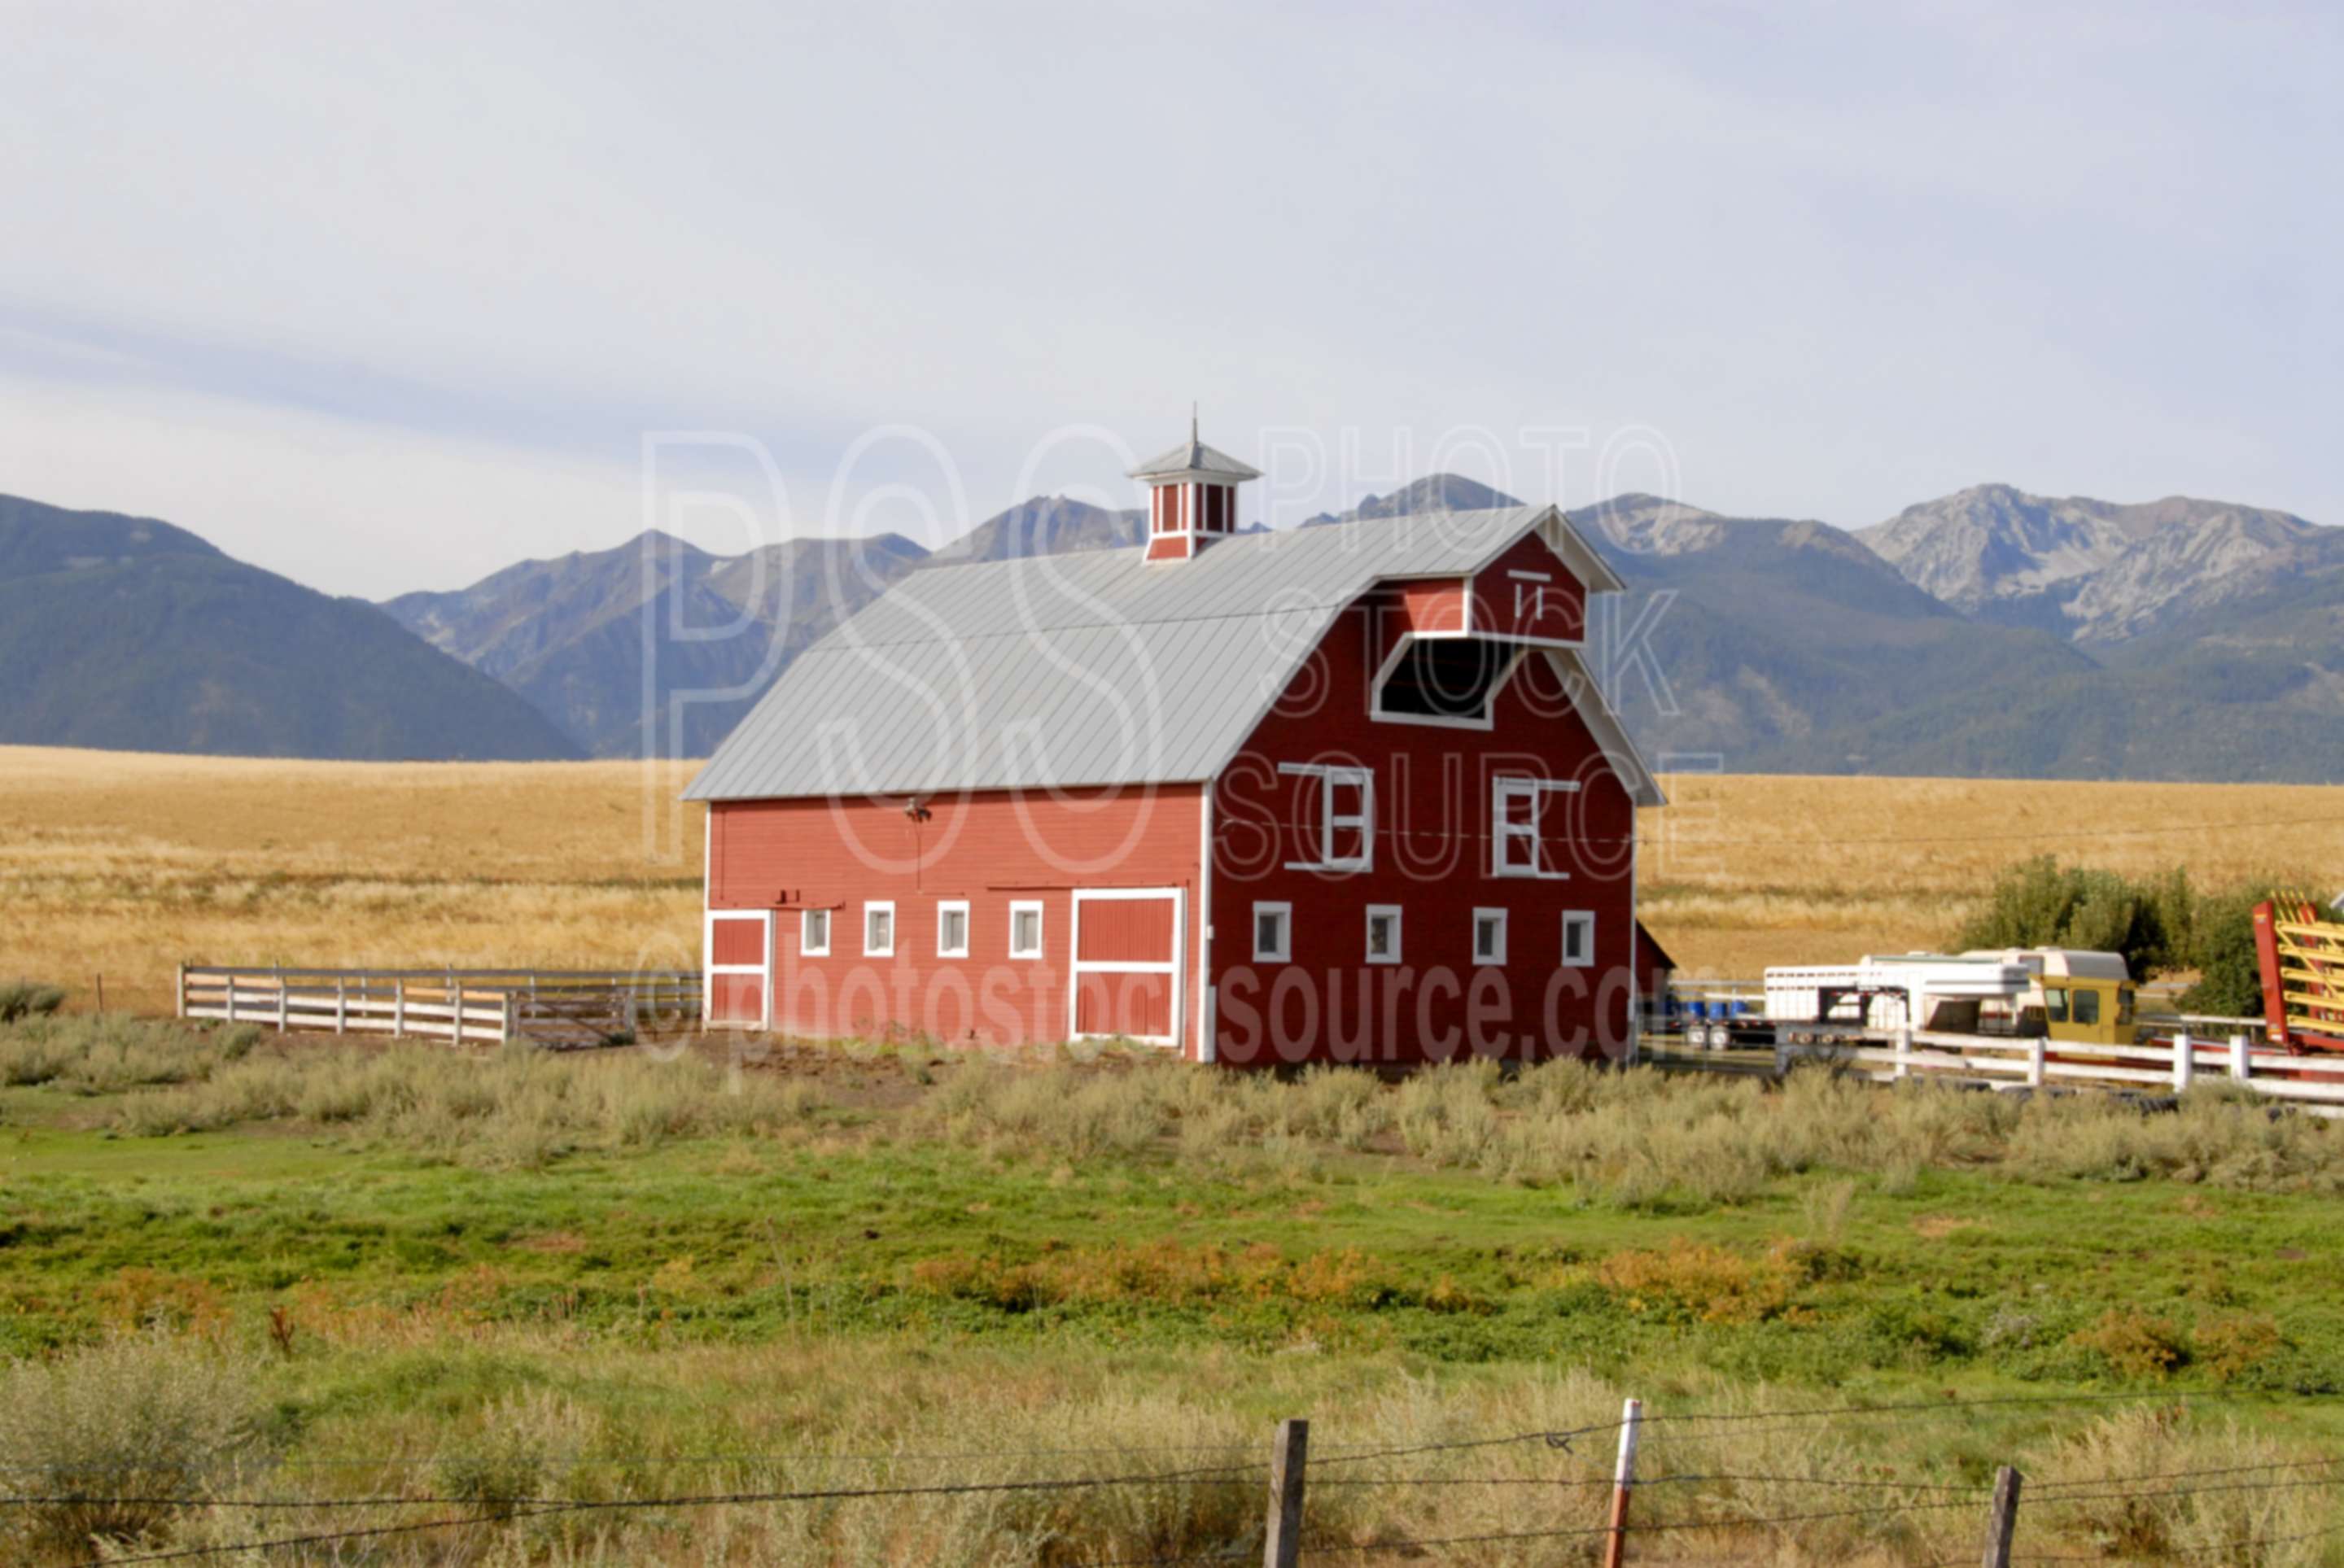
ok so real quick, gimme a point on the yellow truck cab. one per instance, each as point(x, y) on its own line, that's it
point(2084, 997)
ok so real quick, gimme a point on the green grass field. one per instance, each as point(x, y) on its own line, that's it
point(408, 1275)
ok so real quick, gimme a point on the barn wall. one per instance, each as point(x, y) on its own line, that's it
point(1433, 788)
point(1516, 607)
point(988, 849)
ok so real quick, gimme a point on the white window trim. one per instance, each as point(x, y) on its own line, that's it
point(1373, 911)
point(1082, 966)
point(1041, 928)
point(1501, 831)
point(1586, 960)
point(807, 949)
point(1284, 953)
point(1497, 958)
point(1487, 717)
point(761, 968)
point(967, 928)
point(1363, 821)
point(869, 907)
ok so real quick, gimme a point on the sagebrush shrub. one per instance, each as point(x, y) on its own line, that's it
point(111, 1430)
point(28, 998)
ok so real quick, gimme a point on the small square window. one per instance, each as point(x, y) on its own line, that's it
point(1383, 933)
point(1025, 930)
point(879, 931)
point(1489, 936)
point(1578, 939)
point(814, 933)
point(951, 929)
point(1273, 932)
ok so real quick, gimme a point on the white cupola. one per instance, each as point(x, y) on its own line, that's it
point(1192, 497)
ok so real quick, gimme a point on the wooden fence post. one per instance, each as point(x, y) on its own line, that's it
point(101, 995)
point(281, 1009)
point(1283, 1546)
point(2005, 1518)
point(1624, 1481)
point(2185, 1061)
point(2037, 1054)
point(341, 1004)
point(1903, 1050)
point(182, 990)
point(512, 1017)
point(2241, 1067)
point(398, 1009)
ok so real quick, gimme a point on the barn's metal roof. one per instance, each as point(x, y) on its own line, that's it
point(1193, 457)
point(1076, 671)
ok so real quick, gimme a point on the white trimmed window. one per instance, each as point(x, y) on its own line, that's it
point(879, 930)
point(1383, 933)
point(1516, 807)
point(952, 929)
point(1347, 817)
point(1273, 933)
point(814, 933)
point(1025, 928)
point(1489, 936)
point(1578, 939)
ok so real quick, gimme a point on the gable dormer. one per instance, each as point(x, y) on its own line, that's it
point(1192, 498)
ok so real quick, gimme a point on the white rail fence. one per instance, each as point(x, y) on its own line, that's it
point(565, 1007)
point(2169, 1066)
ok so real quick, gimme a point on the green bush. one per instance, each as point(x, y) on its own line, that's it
point(2222, 951)
point(28, 998)
point(2039, 903)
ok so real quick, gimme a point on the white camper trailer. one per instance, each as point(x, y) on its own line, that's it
point(1883, 992)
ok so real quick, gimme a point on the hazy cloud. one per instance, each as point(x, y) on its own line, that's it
point(386, 299)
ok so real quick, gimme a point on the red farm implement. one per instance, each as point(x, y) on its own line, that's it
point(2301, 958)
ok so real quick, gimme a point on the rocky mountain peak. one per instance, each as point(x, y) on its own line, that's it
point(2095, 570)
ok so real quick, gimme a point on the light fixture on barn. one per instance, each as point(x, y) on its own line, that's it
point(915, 811)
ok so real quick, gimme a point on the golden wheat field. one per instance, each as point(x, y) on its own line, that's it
point(127, 864)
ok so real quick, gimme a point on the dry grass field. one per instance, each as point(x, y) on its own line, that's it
point(1744, 870)
point(125, 864)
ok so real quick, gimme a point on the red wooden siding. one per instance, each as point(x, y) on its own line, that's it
point(990, 849)
point(736, 1000)
point(737, 942)
point(1519, 606)
point(1429, 604)
point(1433, 788)
point(1136, 1005)
point(1124, 931)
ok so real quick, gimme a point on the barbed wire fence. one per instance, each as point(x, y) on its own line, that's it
point(1291, 1475)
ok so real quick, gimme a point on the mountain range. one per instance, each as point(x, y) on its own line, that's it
point(1989, 632)
point(128, 633)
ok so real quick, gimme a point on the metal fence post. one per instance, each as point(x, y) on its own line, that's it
point(2005, 1518)
point(1624, 1481)
point(2185, 1061)
point(1283, 1546)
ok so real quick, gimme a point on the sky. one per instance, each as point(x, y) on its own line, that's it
point(388, 304)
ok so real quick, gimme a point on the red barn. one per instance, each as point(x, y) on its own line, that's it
point(1330, 794)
